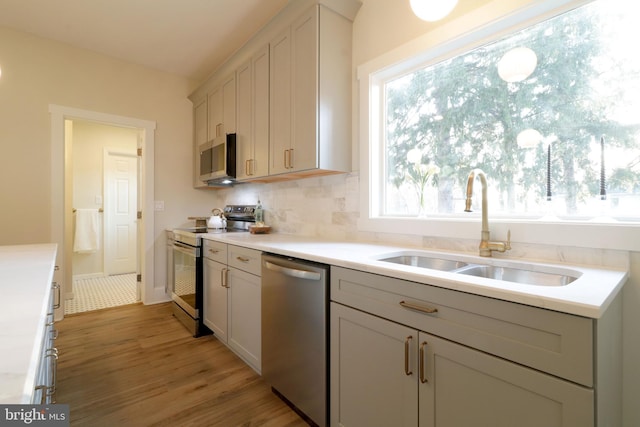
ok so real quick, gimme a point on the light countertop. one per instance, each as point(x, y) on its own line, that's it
point(588, 296)
point(26, 275)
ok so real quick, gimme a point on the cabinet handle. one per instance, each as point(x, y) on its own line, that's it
point(43, 396)
point(214, 251)
point(56, 288)
point(406, 355)
point(225, 277)
point(291, 158)
point(242, 259)
point(246, 167)
point(423, 377)
point(412, 306)
point(50, 390)
point(285, 159)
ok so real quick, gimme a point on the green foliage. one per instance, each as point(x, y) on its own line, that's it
point(462, 115)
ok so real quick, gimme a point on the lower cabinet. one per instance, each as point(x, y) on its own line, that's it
point(244, 316)
point(384, 373)
point(409, 354)
point(214, 308)
point(232, 292)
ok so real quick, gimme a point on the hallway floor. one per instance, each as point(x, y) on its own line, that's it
point(101, 292)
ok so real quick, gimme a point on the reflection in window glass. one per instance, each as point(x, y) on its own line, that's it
point(562, 141)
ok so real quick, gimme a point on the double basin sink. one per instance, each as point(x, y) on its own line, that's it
point(520, 274)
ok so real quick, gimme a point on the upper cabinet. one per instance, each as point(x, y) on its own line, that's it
point(200, 135)
point(214, 114)
point(311, 95)
point(222, 108)
point(252, 120)
point(290, 91)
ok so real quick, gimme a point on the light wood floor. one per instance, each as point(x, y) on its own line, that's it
point(136, 365)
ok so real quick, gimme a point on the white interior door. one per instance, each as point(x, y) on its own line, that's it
point(121, 171)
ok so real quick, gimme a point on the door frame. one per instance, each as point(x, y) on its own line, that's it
point(61, 205)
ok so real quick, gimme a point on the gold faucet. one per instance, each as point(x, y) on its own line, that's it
point(486, 246)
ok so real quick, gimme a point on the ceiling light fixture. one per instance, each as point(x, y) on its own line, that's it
point(517, 64)
point(528, 138)
point(432, 10)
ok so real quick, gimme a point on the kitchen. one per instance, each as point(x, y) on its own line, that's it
point(296, 207)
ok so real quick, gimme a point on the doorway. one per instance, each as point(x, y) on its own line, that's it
point(62, 204)
point(104, 176)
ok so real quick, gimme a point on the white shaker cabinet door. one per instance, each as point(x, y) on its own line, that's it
point(371, 385)
point(215, 298)
point(259, 166)
point(466, 387)
point(245, 317)
point(244, 131)
point(304, 88)
point(280, 102)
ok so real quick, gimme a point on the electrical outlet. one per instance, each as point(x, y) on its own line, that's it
point(159, 205)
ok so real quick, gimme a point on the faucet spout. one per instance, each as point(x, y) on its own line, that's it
point(486, 245)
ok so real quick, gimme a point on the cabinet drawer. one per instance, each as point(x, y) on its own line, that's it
point(215, 251)
point(245, 259)
point(558, 343)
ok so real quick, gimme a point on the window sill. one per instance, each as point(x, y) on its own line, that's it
point(595, 235)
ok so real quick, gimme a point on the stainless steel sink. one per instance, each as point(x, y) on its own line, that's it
point(528, 277)
point(425, 262)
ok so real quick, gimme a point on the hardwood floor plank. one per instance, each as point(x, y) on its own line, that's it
point(136, 365)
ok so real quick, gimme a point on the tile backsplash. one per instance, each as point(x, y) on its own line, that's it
point(328, 207)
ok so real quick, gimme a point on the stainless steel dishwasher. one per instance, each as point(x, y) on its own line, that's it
point(294, 333)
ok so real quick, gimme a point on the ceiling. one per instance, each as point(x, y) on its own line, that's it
point(190, 38)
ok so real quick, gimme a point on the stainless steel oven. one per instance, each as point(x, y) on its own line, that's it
point(187, 285)
point(186, 289)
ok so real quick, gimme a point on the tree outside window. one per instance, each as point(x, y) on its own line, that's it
point(582, 101)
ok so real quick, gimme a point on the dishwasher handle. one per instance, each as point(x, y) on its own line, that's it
point(292, 272)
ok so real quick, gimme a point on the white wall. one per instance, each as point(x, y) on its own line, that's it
point(37, 73)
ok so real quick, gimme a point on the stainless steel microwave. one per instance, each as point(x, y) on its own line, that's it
point(218, 160)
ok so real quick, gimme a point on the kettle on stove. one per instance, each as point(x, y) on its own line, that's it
point(217, 221)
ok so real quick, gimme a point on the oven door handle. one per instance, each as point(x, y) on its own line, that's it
point(186, 249)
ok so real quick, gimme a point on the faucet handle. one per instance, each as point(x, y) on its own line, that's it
point(507, 245)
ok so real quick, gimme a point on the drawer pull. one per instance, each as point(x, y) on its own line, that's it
point(423, 377)
point(427, 310)
point(214, 251)
point(243, 259)
point(406, 355)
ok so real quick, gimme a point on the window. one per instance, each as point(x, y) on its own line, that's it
point(561, 140)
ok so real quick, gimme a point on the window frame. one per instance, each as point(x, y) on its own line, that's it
point(486, 23)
